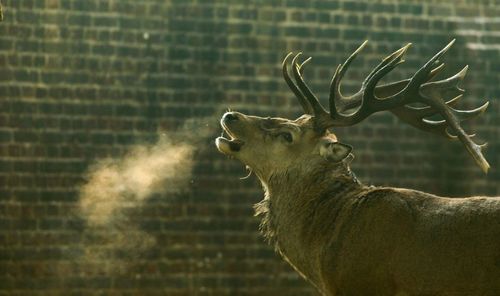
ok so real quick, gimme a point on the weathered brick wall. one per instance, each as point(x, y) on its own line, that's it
point(83, 80)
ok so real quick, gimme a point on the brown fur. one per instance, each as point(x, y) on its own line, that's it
point(349, 239)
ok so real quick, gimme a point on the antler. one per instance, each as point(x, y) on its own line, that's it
point(396, 97)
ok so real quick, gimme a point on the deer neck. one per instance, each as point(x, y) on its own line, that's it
point(293, 201)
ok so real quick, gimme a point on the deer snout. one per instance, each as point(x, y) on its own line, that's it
point(230, 116)
point(233, 143)
point(232, 123)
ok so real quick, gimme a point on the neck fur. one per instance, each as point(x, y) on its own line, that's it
point(294, 210)
point(292, 193)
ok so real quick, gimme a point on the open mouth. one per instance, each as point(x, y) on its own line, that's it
point(227, 142)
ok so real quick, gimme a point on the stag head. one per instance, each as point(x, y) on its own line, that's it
point(268, 145)
point(271, 145)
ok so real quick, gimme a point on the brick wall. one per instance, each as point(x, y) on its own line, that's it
point(85, 80)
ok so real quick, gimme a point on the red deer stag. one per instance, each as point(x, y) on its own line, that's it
point(346, 238)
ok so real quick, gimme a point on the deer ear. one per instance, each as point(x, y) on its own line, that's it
point(335, 151)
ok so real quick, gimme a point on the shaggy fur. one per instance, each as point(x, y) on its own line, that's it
point(349, 239)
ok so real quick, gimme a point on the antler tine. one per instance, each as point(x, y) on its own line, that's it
point(368, 102)
point(409, 113)
point(395, 87)
point(343, 69)
point(414, 116)
point(365, 97)
point(336, 99)
point(435, 71)
point(384, 90)
point(453, 123)
point(422, 74)
point(461, 115)
point(302, 100)
point(374, 77)
point(414, 84)
point(464, 115)
point(417, 117)
point(301, 69)
point(349, 60)
point(448, 83)
point(318, 111)
point(390, 58)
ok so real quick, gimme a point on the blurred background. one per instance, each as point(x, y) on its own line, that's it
point(91, 90)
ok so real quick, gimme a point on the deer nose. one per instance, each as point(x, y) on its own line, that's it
point(230, 116)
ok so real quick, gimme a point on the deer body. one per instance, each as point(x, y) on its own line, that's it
point(349, 239)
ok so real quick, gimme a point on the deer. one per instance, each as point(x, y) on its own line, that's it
point(347, 238)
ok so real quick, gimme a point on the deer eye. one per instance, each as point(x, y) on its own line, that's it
point(287, 136)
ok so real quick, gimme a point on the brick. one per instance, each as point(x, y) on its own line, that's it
point(5, 136)
point(75, 224)
point(354, 34)
point(382, 7)
point(102, 139)
point(81, 83)
point(51, 224)
point(25, 166)
point(79, 20)
point(24, 224)
point(25, 137)
point(24, 75)
point(126, 110)
point(182, 25)
point(354, 6)
point(326, 5)
point(328, 33)
point(56, 196)
point(298, 31)
point(415, 9)
point(104, 21)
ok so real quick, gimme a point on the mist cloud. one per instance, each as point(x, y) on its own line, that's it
point(117, 188)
